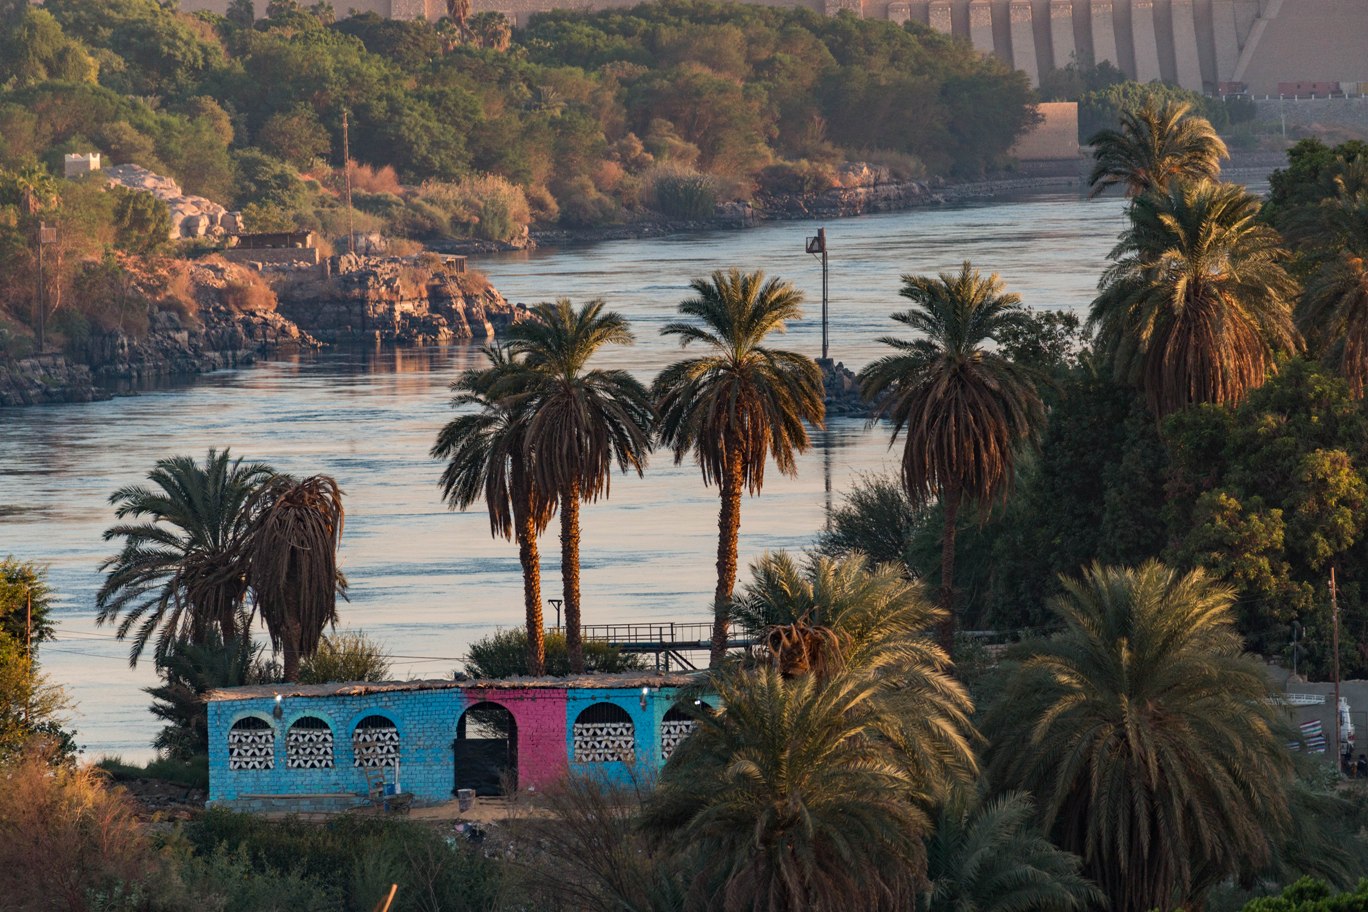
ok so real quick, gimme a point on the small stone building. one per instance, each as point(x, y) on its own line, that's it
point(308, 747)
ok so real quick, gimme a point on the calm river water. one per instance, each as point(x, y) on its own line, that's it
point(426, 581)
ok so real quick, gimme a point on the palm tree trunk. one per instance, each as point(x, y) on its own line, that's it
point(289, 645)
point(728, 532)
point(570, 573)
point(950, 500)
point(531, 568)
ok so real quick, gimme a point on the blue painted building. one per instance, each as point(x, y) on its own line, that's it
point(312, 747)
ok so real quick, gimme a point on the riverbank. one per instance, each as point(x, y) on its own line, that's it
point(838, 202)
point(211, 315)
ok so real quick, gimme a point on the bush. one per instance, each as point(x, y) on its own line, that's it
point(801, 177)
point(683, 193)
point(193, 773)
point(65, 835)
point(486, 207)
point(350, 861)
point(504, 655)
point(346, 656)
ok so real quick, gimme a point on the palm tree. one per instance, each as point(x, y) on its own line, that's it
point(1197, 304)
point(175, 575)
point(869, 612)
point(487, 458)
point(811, 793)
point(579, 422)
point(1156, 144)
point(988, 856)
point(1333, 313)
point(965, 408)
point(1148, 736)
point(738, 405)
point(290, 556)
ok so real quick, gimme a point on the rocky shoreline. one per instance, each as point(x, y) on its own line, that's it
point(227, 315)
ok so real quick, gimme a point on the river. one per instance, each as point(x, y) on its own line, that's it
point(426, 581)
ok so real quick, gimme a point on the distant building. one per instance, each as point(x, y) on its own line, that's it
point(79, 165)
point(310, 747)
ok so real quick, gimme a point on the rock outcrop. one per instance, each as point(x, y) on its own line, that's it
point(191, 216)
point(407, 300)
point(842, 390)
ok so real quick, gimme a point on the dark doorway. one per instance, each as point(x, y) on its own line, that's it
point(486, 750)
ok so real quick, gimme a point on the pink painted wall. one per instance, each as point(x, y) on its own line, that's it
point(540, 717)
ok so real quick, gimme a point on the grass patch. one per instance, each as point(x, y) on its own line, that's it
point(194, 774)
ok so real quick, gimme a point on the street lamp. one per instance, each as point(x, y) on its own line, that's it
point(556, 603)
point(817, 247)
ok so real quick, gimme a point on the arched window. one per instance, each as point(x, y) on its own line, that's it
point(375, 743)
point(677, 725)
point(604, 733)
point(251, 744)
point(309, 744)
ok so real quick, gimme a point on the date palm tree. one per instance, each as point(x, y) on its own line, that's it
point(739, 405)
point(816, 790)
point(1147, 735)
point(1333, 312)
point(488, 459)
point(988, 855)
point(965, 408)
point(1197, 304)
point(175, 576)
point(1157, 143)
point(579, 422)
point(290, 556)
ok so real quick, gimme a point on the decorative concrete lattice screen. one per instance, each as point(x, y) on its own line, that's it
point(375, 743)
point(251, 745)
point(604, 733)
point(674, 728)
point(309, 745)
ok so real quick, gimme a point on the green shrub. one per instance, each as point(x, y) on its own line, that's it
point(351, 861)
point(346, 656)
point(504, 655)
point(192, 773)
point(682, 193)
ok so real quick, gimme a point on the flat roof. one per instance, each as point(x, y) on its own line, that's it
point(630, 679)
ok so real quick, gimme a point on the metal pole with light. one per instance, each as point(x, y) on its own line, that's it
point(556, 603)
point(817, 247)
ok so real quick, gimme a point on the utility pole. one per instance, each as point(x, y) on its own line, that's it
point(46, 235)
point(346, 169)
point(1334, 615)
point(817, 247)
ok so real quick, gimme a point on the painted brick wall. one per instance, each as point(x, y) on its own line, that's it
point(427, 721)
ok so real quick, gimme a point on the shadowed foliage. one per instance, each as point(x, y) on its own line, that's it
point(290, 556)
point(1148, 737)
point(1197, 305)
point(488, 459)
point(739, 405)
point(965, 409)
point(175, 576)
point(579, 421)
point(989, 856)
point(1333, 312)
point(816, 789)
point(811, 795)
point(1157, 143)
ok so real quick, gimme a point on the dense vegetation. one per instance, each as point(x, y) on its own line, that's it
point(1149, 499)
point(579, 118)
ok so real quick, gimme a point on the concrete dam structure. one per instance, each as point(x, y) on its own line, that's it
point(1197, 44)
